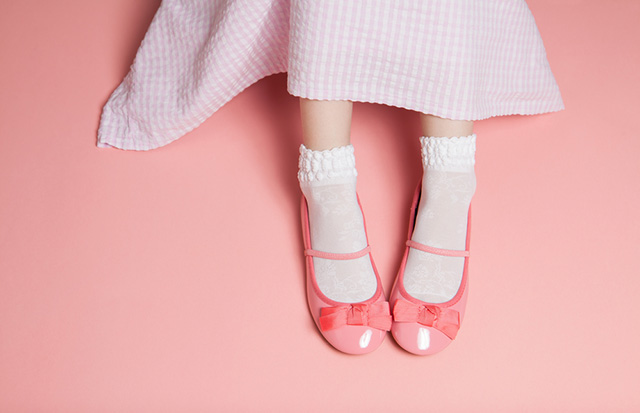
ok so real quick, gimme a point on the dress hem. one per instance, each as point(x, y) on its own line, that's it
point(129, 143)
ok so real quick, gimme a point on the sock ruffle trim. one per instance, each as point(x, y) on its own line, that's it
point(328, 165)
point(448, 153)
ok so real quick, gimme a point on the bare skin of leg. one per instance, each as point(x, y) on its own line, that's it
point(326, 124)
point(441, 127)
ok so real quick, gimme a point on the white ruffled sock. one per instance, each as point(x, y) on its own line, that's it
point(448, 184)
point(328, 181)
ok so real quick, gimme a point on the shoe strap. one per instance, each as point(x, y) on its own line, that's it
point(336, 256)
point(438, 251)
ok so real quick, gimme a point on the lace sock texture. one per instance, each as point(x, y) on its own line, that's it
point(448, 184)
point(328, 181)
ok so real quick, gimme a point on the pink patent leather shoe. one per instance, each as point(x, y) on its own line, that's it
point(420, 327)
point(353, 328)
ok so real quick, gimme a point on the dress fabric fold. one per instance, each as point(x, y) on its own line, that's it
point(463, 59)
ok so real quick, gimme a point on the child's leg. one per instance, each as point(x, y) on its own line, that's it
point(436, 126)
point(327, 176)
point(326, 124)
point(448, 184)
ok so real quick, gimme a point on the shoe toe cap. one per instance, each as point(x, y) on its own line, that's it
point(418, 339)
point(355, 339)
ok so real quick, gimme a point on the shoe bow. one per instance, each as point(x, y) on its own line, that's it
point(444, 319)
point(376, 315)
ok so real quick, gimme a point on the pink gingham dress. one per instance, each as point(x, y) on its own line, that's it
point(457, 59)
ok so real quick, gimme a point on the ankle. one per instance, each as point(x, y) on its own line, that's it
point(454, 154)
point(326, 167)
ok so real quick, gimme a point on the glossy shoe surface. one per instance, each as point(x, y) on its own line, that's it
point(420, 327)
point(353, 328)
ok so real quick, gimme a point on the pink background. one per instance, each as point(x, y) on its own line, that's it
point(173, 280)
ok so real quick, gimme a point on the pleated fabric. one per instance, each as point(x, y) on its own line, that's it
point(457, 59)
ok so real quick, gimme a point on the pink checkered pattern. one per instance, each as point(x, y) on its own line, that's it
point(457, 59)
